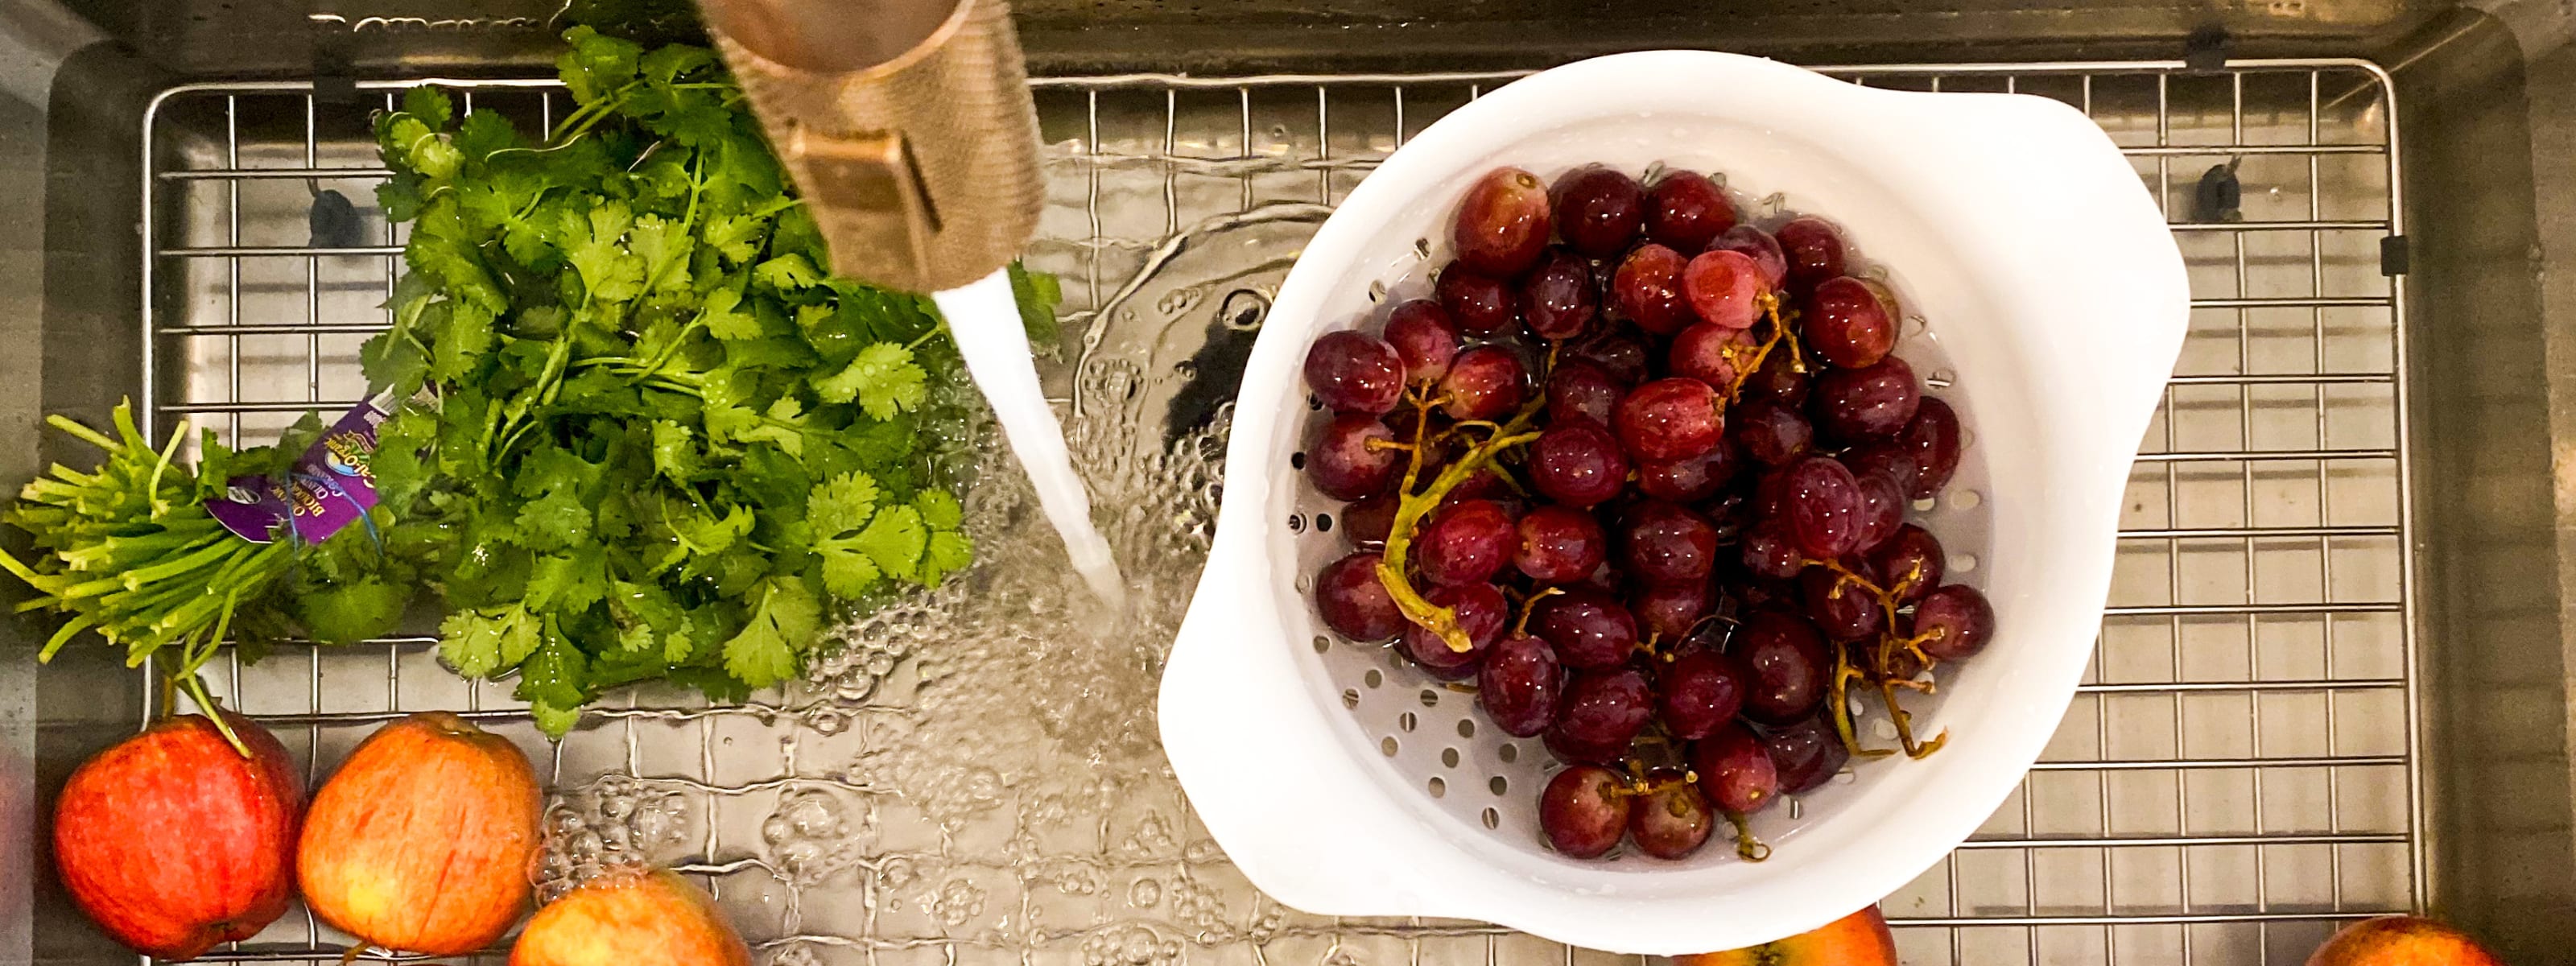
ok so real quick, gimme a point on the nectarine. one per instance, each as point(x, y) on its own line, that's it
point(2401, 941)
point(1859, 939)
point(631, 918)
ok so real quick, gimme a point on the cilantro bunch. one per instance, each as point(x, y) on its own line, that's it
point(649, 437)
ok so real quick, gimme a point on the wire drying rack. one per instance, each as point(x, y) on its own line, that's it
point(2238, 775)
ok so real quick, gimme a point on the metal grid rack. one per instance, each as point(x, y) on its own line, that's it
point(2238, 772)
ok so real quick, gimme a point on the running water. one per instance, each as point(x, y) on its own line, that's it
point(985, 322)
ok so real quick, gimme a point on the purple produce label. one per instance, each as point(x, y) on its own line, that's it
point(328, 488)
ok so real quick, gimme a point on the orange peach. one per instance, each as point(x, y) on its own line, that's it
point(1859, 939)
point(2402, 941)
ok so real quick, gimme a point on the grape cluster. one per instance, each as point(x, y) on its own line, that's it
point(1639, 470)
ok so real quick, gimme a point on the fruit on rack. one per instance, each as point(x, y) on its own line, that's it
point(1859, 939)
point(421, 841)
point(172, 841)
point(631, 918)
point(2402, 941)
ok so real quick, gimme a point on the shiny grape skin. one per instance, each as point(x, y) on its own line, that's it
point(1558, 298)
point(1354, 372)
point(1647, 289)
point(1851, 405)
point(1579, 390)
point(1342, 463)
point(1670, 419)
point(1932, 441)
point(1691, 479)
point(1846, 324)
point(1519, 684)
point(1814, 250)
point(1481, 611)
point(1354, 601)
point(1734, 771)
point(1710, 354)
point(1885, 458)
point(1912, 562)
point(1806, 754)
point(1623, 357)
point(1672, 821)
point(1882, 510)
point(1467, 543)
point(1954, 622)
point(1578, 464)
point(1725, 288)
point(1584, 811)
point(1598, 210)
point(1788, 663)
point(1485, 382)
point(1503, 223)
point(1844, 611)
point(1663, 543)
point(1602, 711)
point(1589, 628)
point(1687, 210)
point(1823, 505)
point(1480, 304)
point(1559, 545)
point(1424, 337)
point(1768, 432)
point(1769, 552)
point(1758, 245)
point(1669, 612)
point(1365, 522)
point(1779, 381)
point(1698, 691)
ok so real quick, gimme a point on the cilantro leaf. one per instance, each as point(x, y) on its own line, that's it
point(780, 629)
point(842, 504)
point(883, 379)
point(787, 273)
point(724, 318)
point(568, 583)
point(675, 451)
point(895, 541)
point(556, 521)
point(479, 643)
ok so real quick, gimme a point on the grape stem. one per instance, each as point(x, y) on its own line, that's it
point(1779, 334)
point(1412, 507)
point(1747, 847)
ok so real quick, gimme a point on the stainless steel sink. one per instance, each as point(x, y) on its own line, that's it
point(2333, 682)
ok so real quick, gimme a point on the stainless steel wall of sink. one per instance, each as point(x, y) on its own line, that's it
point(2484, 122)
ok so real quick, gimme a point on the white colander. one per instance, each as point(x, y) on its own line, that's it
point(2049, 296)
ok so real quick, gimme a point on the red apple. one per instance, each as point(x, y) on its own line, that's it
point(1859, 939)
point(422, 841)
point(631, 918)
point(172, 841)
point(2401, 941)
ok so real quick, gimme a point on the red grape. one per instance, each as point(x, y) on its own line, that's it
point(1805, 754)
point(1670, 419)
point(1480, 611)
point(1824, 505)
point(1778, 380)
point(1598, 210)
point(1711, 354)
point(1354, 602)
point(1580, 390)
point(1648, 290)
point(1589, 628)
point(1558, 298)
point(1483, 383)
point(1770, 553)
point(1560, 545)
point(1481, 304)
point(1424, 337)
point(1814, 250)
point(1623, 357)
point(1843, 610)
point(1503, 223)
point(1686, 210)
point(1725, 288)
point(1354, 372)
point(1758, 245)
point(1954, 622)
point(1578, 464)
point(1519, 684)
point(1788, 662)
point(1670, 611)
point(1734, 771)
point(1672, 821)
point(1911, 561)
point(1845, 323)
point(1467, 543)
point(1874, 401)
point(1882, 510)
point(1666, 544)
point(1770, 433)
point(1699, 691)
point(1584, 811)
point(1932, 440)
point(1602, 711)
point(1884, 458)
point(1367, 520)
point(1690, 479)
point(1343, 463)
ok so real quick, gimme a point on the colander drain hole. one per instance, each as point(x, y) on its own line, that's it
point(1449, 757)
point(1438, 788)
point(1322, 644)
point(1430, 698)
point(1466, 727)
point(1387, 746)
point(1963, 563)
point(1351, 698)
point(1374, 677)
point(1493, 819)
point(1405, 722)
point(1510, 753)
point(1498, 784)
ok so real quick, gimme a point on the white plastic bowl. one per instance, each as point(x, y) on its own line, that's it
point(1343, 782)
